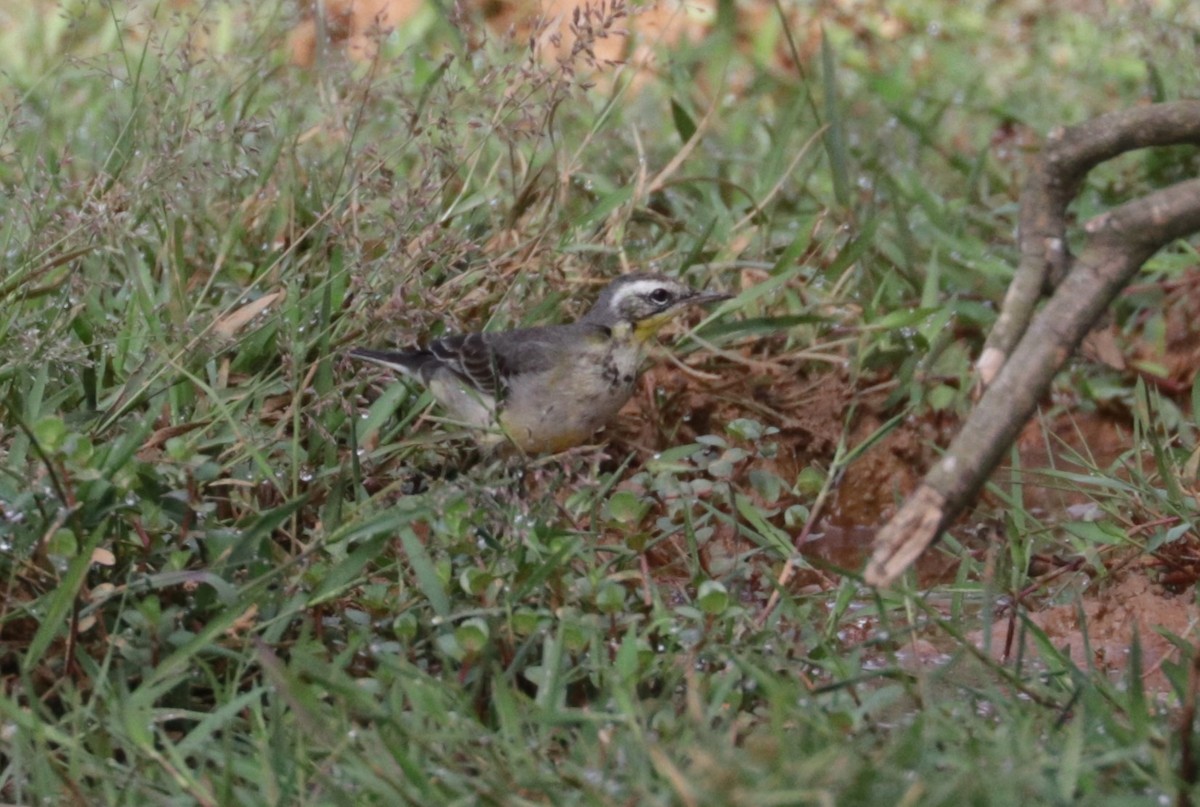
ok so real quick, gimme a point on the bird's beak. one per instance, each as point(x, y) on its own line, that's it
point(705, 297)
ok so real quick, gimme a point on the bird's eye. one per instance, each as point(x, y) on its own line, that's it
point(660, 296)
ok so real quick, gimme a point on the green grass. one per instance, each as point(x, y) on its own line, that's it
point(238, 568)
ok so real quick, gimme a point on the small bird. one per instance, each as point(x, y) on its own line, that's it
point(549, 388)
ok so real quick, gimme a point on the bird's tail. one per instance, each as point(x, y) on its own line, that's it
point(408, 362)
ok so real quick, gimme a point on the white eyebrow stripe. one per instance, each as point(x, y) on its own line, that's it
point(636, 288)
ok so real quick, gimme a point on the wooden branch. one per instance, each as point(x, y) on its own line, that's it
point(1069, 154)
point(1117, 244)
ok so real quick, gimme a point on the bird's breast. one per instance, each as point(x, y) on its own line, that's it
point(565, 405)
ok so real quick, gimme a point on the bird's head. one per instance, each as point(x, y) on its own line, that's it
point(645, 303)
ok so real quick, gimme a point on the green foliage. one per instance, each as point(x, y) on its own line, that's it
point(238, 568)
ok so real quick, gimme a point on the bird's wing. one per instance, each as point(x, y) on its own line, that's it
point(472, 358)
point(490, 361)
